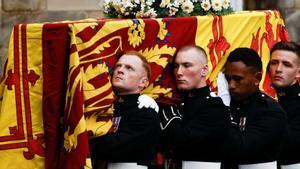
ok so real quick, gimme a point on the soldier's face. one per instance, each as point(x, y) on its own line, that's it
point(129, 76)
point(189, 70)
point(284, 68)
point(242, 80)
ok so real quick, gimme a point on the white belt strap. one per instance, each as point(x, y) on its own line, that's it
point(291, 166)
point(268, 165)
point(125, 166)
point(200, 165)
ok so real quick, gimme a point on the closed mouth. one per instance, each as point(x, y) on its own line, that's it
point(278, 78)
point(181, 81)
point(118, 78)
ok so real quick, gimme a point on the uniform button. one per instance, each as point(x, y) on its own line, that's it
point(298, 94)
point(207, 97)
point(182, 104)
point(238, 108)
point(262, 95)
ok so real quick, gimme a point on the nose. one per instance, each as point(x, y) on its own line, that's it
point(178, 71)
point(231, 85)
point(279, 68)
point(120, 70)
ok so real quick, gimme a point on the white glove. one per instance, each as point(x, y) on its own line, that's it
point(223, 91)
point(147, 102)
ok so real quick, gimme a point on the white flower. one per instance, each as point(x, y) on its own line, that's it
point(142, 7)
point(226, 4)
point(172, 11)
point(106, 8)
point(149, 2)
point(179, 2)
point(174, 4)
point(216, 5)
point(164, 3)
point(137, 1)
point(187, 6)
point(128, 5)
point(206, 5)
point(151, 13)
point(118, 8)
point(122, 10)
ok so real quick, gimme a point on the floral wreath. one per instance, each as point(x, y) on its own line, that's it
point(164, 8)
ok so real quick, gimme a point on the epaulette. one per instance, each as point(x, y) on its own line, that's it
point(264, 98)
point(120, 100)
point(269, 101)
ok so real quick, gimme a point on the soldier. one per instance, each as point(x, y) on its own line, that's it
point(132, 145)
point(284, 69)
point(195, 131)
point(258, 121)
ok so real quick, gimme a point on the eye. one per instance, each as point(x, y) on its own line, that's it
point(175, 66)
point(186, 65)
point(273, 62)
point(287, 64)
point(128, 67)
point(118, 65)
point(237, 78)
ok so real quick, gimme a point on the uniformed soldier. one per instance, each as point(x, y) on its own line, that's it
point(195, 130)
point(284, 69)
point(258, 120)
point(132, 144)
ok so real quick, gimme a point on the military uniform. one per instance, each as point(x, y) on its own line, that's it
point(133, 142)
point(289, 99)
point(259, 124)
point(198, 131)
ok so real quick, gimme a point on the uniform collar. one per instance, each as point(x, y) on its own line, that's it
point(126, 100)
point(256, 95)
point(291, 91)
point(199, 92)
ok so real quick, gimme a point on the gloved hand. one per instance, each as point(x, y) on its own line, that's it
point(168, 114)
point(147, 102)
point(223, 90)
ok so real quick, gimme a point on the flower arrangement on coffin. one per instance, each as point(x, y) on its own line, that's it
point(164, 8)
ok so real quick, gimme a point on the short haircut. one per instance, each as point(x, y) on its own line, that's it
point(188, 47)
point(145, 63)
point(288, 46)
point(248, 56)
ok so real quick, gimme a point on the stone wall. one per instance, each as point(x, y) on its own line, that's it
point(290, 10)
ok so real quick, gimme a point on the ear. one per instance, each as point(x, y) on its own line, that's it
point(204, 70)
point(258, 77)
point(144, 82)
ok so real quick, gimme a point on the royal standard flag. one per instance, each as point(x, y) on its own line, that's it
point(56, 92)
